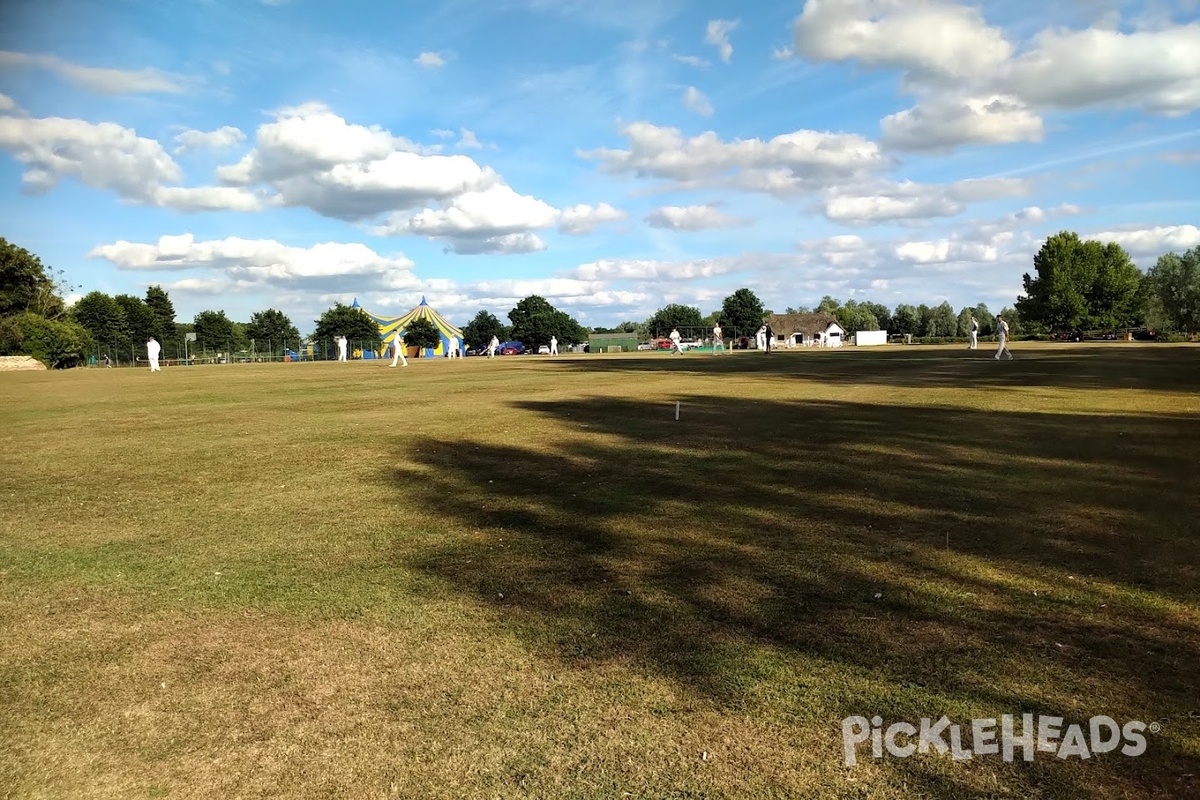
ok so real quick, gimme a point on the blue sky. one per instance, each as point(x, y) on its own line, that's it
point(612, 157)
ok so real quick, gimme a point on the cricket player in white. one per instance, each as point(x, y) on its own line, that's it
point(718, 341)
point(398, 350)
point(674, 337)
point(974, 333)
point(760, 338)
point(341, 343)
point(493, 346)
point(553, 345)
point(452, 349)
point(153, 348)
point(1002, 336)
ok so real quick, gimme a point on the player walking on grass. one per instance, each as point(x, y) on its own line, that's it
point(153, 348)
point(1002, 336)
point(974, 333)
point(398, 350)
point(493, 346)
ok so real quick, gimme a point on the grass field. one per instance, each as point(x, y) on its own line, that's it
point(524, 578)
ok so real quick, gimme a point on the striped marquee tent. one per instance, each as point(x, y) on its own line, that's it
point(388, 326)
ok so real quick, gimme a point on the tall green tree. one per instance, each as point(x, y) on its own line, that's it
point(25, 284)
point(271, 328)
point(741, 314)
point(829, 305)
point(1173, 285)
point(421, 333)
point(964, 322)
point(164, 313)
point(343, 320)
point(534, 320)
point(881, 313)
point(482, 327)
point(855, 317)
point(1112, 297)
point(675, 315)
point(906, 319)
point(214, 331)
point(1080, 284)
point(926, 324)
point(942, 320)
point(140, 322)
point(104, 319)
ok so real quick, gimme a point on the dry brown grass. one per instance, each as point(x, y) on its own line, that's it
point(522, 578)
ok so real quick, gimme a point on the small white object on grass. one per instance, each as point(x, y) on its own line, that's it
point(676, 410)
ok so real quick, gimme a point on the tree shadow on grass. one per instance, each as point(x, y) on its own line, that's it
point(1160, 367)
point(813, 560)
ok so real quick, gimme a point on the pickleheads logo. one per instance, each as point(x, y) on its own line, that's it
point(989, 737)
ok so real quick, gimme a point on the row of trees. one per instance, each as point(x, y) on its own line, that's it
point(533, 322)
point(1076, 285)
point(1090, 285)
point(743, 312)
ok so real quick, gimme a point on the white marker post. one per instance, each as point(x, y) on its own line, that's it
point(677, 411)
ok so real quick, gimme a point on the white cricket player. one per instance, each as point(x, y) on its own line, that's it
point(718, 339)
point(153, 348)
point(553, 345)
point(974, 333)
point(398, 350)
point(1002, 336)
point(760, 338)
point(674, 337)
point(341, 345)
point(493, 346)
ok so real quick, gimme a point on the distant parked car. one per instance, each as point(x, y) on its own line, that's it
point(544, 350)
point(1145, 335)
point(512, 348)
point(645, 345)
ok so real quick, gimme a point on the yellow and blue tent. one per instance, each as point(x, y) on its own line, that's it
point(388, 326)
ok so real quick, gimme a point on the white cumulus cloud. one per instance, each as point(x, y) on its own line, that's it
point(928, 37)
point(1152, 242)
point(945, 121)
point(717, 34)
point(1157, 70)
point(583, 219)
point(788, 162)
point(890, 201)
point(691, 218)
point(251, 260)
point(227, 136)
